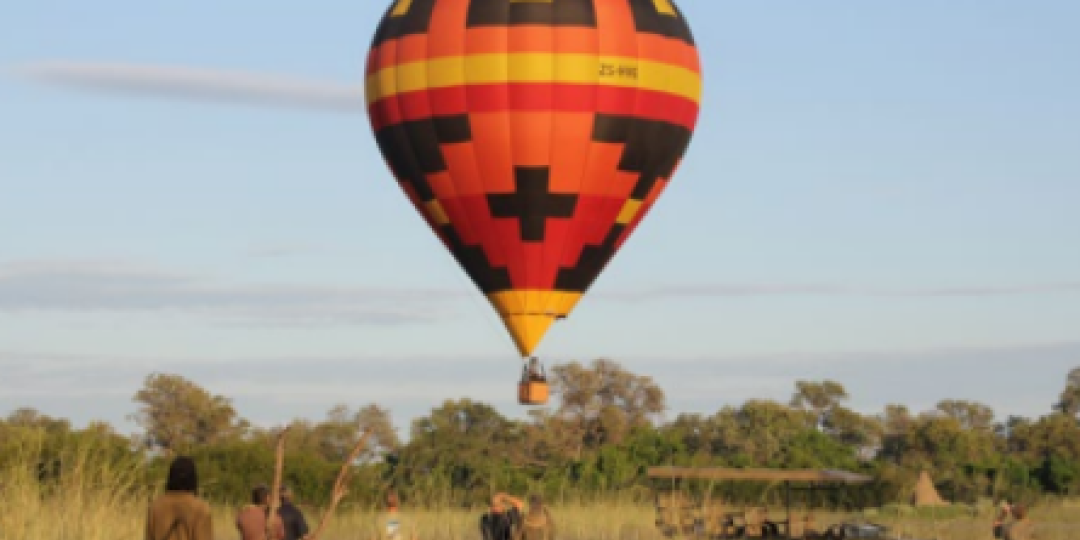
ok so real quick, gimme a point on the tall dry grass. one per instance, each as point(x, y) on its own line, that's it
point(97, 499)
point(1054, 519)
point(89, 498)
point(600, 521)
point(629, 521)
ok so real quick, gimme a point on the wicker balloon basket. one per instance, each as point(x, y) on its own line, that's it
point(533, 392)
point(533, 388)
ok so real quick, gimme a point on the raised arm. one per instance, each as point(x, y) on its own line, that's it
point(518, 503)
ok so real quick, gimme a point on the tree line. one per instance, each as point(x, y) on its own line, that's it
point(605, 427)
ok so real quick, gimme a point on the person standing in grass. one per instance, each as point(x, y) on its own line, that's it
point(291, 516)
point(537, 523)
point(502, 519)
point(392, 524)
point(1021, 528)
point(179, 513)
point(251, 520)
point(1004, 513)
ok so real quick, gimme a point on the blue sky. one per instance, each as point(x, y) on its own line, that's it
point(883, 194)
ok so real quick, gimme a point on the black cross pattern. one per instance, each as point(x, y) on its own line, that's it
point(532, 203)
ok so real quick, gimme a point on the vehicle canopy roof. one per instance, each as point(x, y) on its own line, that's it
point(767, 475)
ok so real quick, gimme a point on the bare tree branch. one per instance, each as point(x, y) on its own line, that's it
point(279, 465)
point(340, 489)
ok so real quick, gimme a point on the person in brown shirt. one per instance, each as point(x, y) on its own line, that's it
point(251, 520)
point(537, 523)
point(178, 513)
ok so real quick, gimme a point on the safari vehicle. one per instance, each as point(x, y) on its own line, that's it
point(687, 508)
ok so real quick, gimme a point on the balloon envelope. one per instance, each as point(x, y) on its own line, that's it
point(533, 135)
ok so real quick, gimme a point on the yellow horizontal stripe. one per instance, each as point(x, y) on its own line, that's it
point(536, 302)
point(566, 68)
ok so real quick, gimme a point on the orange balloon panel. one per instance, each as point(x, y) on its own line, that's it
point(533, 135)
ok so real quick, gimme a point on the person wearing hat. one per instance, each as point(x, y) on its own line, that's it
point(179, 513)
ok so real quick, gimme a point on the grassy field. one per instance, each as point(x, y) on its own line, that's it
point(95, 502)
point(95, 514)
point(622, 521)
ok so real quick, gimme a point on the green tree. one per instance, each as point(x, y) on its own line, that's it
point(384, 435)
point(337, 434)
point(1059, 474)
point(970, 415)
point(815, 450)
point(26, 417)
point(1069, 402)
point(861, 433)
point(1054, 433)
point(694, 431)
point(604, 401)
point(179, 415)
point(463, 447)
point(896, 422)
point(758, 432)
point(818, 397)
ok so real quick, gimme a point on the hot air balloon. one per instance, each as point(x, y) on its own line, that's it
point(533, 136)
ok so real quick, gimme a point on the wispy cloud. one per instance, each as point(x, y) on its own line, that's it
point(714, 290)
point(94, 286)
point(276, 251)
point(829, 290)
point(197, 84)
point(82, 286)
point(1014, 290)
point(47, 364)
point(915, 357)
